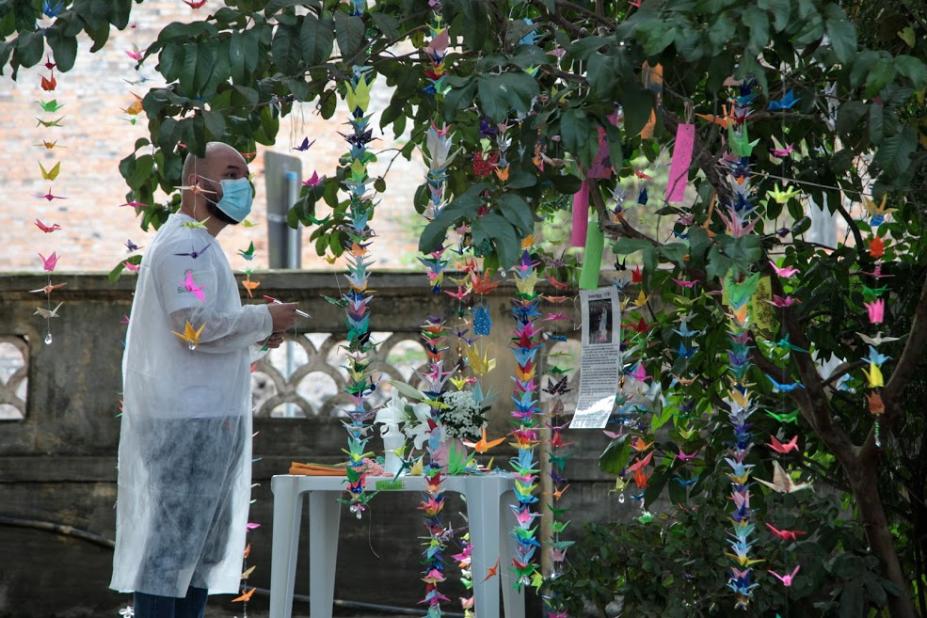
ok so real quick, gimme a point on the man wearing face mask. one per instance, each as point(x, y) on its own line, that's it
point(185, 435)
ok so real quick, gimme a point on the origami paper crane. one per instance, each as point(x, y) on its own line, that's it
point(787, 102)
point(785, 535)
point(782, 482)
point(788, 578)
point(190, 335)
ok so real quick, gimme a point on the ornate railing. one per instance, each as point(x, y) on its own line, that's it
point(14, 377)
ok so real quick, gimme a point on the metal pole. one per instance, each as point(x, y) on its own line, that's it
point(292, 261)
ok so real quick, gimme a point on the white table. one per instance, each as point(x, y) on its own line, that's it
point(489, 499)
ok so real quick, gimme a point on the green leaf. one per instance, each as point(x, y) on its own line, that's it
point(674, 252)
point(894, 154)
point(613, 139)
point(841, 32)
point(908, 66)
point(657, 37)
point(516, 210)
point(758, 24)
point(29, 48)
point(581, 48)
point(876, 115)
point(852, 601)
point(274, 6)
point(500, 232)
point(188, 70)
point(140, 171)
point(115, 272)
point(500, 94)
point(237, 57)
point(215, 124)
point(521, 179)
point(615, 457)
point(316, 38)
point(721, 31)
point(349, 32)
point(458, 99)
point(879, 75)
point(781, 11)
point(603, 72)
point(849, 115)
point(637, 103)
point(578, 135)
point(387, 24)
point(464, 206)
point(64, 48)
point(327, 104)
point(286, 53)
point(625, 246)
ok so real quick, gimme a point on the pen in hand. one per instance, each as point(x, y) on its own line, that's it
point(277, 301)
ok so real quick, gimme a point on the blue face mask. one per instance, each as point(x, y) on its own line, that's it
point(236, 198)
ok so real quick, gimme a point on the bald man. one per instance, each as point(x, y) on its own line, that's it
point(185, 435)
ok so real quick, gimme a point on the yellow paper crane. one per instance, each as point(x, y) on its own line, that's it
point(190, 335)
point(359, 96)
point(52, 173)
point(875, 376)
point(479, 360)
point(525, 285)
point(641, 300)
point(875, 211)
point(781, 196)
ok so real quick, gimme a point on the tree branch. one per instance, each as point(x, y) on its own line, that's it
point(614, 230)
point(604, 21)
point(843, 369)
point(907, 363)
point(834, 436)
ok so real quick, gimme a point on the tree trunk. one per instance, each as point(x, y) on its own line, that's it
point(865, 487)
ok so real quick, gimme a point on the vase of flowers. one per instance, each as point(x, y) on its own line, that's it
point(464, 417)
point(395, 420)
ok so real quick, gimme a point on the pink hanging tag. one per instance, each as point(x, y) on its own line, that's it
point(679, 167)
point(580, 215)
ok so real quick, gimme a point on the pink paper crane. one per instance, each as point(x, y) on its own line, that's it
point(783, 302)
point(313, 180)
point(782, 152)
point(788, 578)
point(786, 272)
point(785, 535)
point(783, 448)
point(48, 229)
point(191, 286)
point(49, 263)
point(876, 311)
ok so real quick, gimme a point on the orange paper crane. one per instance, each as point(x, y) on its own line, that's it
point(250, 286)
point(244, 597)
point(493, 570)
point(483, 445)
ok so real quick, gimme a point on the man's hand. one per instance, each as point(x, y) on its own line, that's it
point(283, 315)
point(274, 341)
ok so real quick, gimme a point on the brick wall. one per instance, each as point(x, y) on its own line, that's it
point(97, 134)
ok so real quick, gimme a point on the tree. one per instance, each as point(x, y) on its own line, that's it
point(553, 71)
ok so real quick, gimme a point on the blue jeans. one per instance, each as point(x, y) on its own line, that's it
point(153, 606)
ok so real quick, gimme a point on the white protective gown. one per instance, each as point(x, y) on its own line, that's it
point(185, 438)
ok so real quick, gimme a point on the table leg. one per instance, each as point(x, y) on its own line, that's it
point(288, 506)
point(324, 522)
point(482, 514)
point(512, 600)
